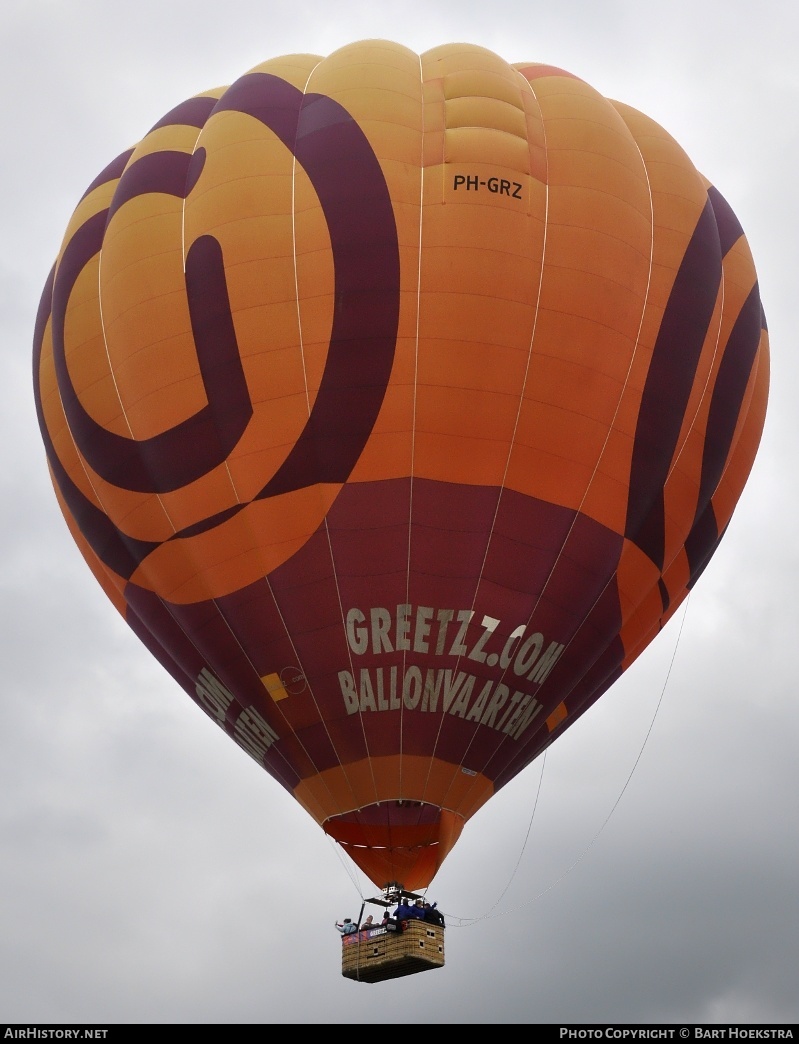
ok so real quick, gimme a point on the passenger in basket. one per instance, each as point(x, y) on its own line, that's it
point(390, 923)
point(346, 927)
point(433, 916)
point(417, 910)
point(403, 911)
point(368, 923)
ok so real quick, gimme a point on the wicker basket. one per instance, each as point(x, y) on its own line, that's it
point(378, 954)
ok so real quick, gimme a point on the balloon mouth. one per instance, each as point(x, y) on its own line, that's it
point(405, 841)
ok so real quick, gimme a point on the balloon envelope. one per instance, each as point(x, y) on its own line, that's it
point(396, 402)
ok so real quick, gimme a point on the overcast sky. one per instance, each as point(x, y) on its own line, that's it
point(150, 872)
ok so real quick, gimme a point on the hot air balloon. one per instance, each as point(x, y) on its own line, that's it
point(397, 402)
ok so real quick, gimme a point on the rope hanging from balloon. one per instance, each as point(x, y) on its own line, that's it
point(469, 922)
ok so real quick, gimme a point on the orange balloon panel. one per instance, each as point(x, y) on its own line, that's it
point(397, 401)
